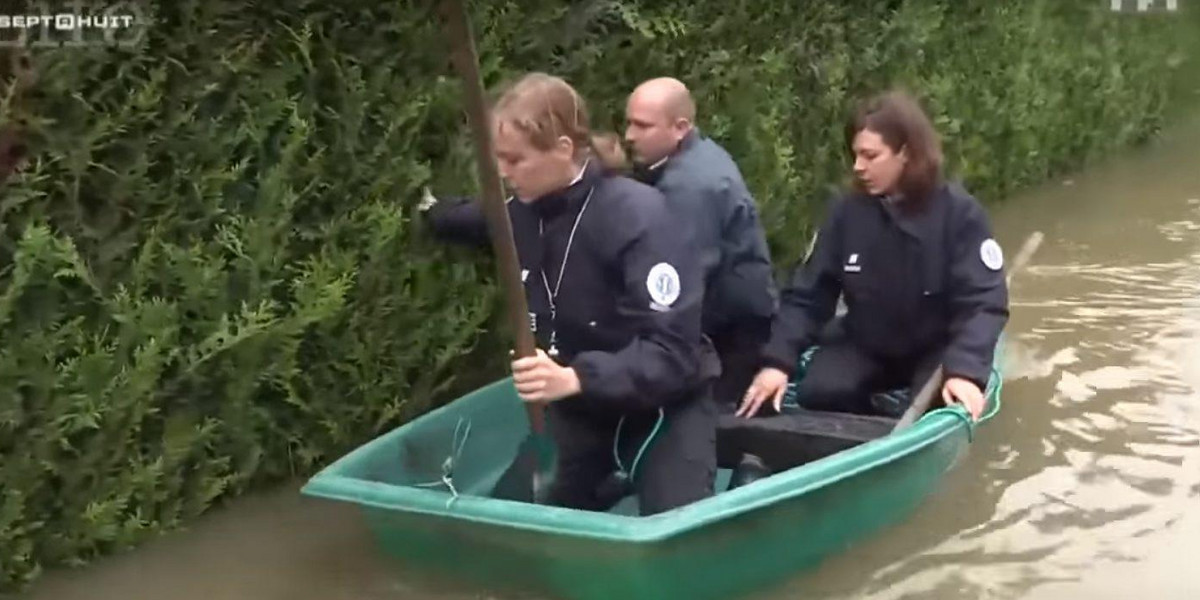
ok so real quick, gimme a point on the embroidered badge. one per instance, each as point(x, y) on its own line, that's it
point(991, 254)
point(663, 285)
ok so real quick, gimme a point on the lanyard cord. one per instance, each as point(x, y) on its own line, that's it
point(632, 471)
point(552, 296)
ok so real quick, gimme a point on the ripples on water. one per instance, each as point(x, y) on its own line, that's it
point(1084, 486)
point(1090, 476)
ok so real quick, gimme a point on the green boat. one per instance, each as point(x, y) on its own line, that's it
point(837, 478)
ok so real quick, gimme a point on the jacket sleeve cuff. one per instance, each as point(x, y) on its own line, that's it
point(597, 389)
point(779, 358)
point(973, 373)
point(585, 371)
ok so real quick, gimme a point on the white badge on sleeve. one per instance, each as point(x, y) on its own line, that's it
point(663, 285)
point(991, 254)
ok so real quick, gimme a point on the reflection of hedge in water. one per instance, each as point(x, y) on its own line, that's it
point(212, 279)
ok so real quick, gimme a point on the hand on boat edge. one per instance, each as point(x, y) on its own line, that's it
point(957, 390)
point(769, 383)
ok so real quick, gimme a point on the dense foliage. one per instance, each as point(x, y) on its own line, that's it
point(211, 276)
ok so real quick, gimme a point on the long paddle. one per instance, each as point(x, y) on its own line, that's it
point(929, 391)
point(523, 480)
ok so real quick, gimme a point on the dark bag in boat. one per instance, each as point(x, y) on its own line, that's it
point(795, 437)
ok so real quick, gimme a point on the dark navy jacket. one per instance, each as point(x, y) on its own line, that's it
point(913, 282)
point(627, 314)
point(702, 183)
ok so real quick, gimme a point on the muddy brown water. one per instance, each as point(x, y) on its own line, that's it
point(1087, 484)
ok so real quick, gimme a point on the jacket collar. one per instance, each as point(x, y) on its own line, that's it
point(571, 197)
point(651, 174)
point(916, 222)
point(690, 140)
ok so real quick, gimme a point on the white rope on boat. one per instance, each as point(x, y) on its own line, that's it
point(461, 432)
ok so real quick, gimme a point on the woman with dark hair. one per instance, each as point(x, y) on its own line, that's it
point(921, 274)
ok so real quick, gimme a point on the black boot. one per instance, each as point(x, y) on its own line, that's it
point(614, 489)
point(748, 470)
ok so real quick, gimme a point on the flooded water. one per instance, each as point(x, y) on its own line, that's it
point(1087, 485)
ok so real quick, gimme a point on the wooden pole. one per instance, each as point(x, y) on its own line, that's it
point(466, 62)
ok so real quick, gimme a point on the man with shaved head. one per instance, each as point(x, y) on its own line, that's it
point(704, 187)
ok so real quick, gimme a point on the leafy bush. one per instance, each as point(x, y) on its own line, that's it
point(211, 276)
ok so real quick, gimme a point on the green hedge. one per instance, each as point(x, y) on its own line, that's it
point(211, 276)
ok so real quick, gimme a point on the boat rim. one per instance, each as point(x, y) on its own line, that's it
point(931, 428)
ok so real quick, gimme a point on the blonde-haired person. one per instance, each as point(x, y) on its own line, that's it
point(614, 288)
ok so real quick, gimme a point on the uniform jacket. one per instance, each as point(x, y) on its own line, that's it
point(627, 312)
point(912, 281)
point(703, 184)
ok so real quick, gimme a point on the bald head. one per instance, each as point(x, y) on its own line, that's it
point(660, 113)
point(668, 95)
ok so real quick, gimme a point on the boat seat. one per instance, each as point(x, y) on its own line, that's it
point(795, 437)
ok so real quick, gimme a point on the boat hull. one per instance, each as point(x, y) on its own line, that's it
point(734, 556)
point(736, 542)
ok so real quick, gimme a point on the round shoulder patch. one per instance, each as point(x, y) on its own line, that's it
point(663, 284)
point(991, 254)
